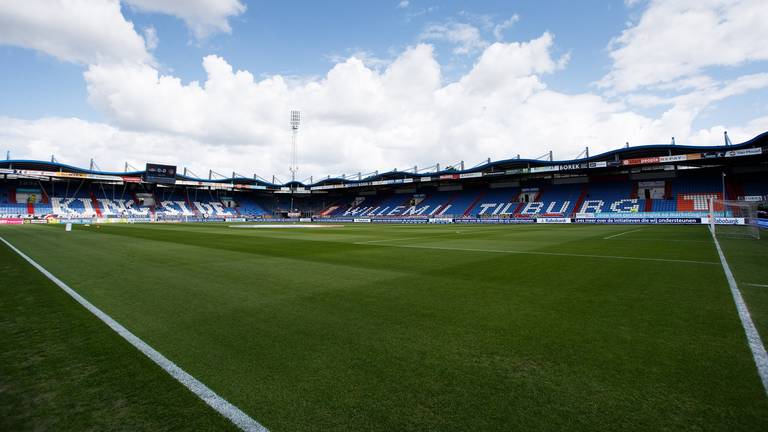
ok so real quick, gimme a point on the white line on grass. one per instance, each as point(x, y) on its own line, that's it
point(231, 412)
point(753, 337)
point(541, 253)
point(389, 240)
point(621, 233)
point(758, 285)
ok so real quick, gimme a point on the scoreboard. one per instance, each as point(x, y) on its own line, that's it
point(156, 173)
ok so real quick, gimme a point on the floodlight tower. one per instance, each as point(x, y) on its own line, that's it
point(294, 168)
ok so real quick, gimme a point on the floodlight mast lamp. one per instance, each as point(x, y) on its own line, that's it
point(294, 168)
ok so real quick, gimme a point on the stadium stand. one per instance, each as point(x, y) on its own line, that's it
point(669, 181)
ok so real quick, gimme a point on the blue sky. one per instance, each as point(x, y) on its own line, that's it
point(79, 77)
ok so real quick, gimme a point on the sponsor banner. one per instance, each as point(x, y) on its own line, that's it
point(494, 173)
point(728, 221)
point(471, 175)
point(573, 166)
point(518, 171)
point(493, 221)
point(38, 221)
point(636, 221)
point(362, 220)
point(408, 180)
point(305, 219)
point(11, 221)
point(401, 221)
point(86, 176)
point(425, 179)
point(753, 198)
point(675, 158)
point(744, 152)
point(640, 161)
point(659, 183)
point(553, 220)
point(36, 173)
point(131, 179)
point(234, 219)
point(598, 164)
point(449, 177)
point(544, 169)
point(440, 220)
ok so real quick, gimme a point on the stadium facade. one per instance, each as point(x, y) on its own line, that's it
point(642, 184)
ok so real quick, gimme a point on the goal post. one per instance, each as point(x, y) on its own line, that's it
point(736, 219)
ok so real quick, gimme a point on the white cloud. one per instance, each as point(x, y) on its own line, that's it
point(498, 29)
point(74, 141)
point(203, 17)
point(675, 39)
point(360, 116)
point(403, 4)
point(95, 31)
point(465, 37)
point(357, 118)
point(150, 38)
point(737, 133)
point(80, 31)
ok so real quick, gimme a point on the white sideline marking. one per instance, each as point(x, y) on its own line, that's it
point(758, 285)
point(541, 253)
point(621, 233)
point(753, 337)
point(231, 412)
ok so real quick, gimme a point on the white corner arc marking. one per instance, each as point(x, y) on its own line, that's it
point(753, 337)
point(221, 405)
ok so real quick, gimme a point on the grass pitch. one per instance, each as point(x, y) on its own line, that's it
point(375, 327)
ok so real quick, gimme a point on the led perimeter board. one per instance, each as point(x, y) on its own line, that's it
point(156, 173)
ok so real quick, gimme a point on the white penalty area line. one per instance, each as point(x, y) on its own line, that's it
point(231, 412)
point(503, 251)
point(753, 337)
point(758, 285)
point(621, 233)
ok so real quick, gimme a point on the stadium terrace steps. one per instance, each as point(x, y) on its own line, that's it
point(604, 195)
point(648, 205)
point(579, 201)
point(469, 209)
point(95, 204)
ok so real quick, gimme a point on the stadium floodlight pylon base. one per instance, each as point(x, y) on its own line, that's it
point(734, 219)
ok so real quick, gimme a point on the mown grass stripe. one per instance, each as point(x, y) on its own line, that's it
point(518, 252)
point(221, 405)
